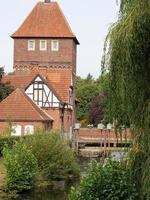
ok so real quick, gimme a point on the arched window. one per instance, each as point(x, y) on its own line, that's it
point(28, 130)
point(16, 130)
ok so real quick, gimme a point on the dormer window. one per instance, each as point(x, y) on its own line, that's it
point(43, 45)
point(31, 45)
point(54, 45)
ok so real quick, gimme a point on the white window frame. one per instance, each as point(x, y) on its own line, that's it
point(29, 47)
point(40, 45)
point(53, 48)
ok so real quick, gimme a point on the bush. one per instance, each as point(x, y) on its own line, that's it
point(109, 182)
point(55, 158)
point(21, 167)
point(8, 141)
point(84, 123)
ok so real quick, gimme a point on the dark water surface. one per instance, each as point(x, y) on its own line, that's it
point(44, 195)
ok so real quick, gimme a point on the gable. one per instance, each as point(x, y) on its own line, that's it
point(19, 107)
point(40, 92)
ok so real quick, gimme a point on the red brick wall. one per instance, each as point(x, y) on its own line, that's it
point(55, 113)
point(68, 120)
point(4, 125)
point(66, 53)
point(96, 133)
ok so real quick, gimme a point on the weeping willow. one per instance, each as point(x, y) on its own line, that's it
point(127, 57)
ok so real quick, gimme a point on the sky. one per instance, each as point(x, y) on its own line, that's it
point(89, 20)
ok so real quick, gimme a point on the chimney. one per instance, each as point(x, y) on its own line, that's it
point(47, 1)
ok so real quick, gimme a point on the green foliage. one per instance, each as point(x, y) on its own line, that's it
point(21, 167)
point(55, 158)
point(111, 181)
point(7, 141)
point(5, 89)
point(84, 123)
point(127, 57)
point(86, 90)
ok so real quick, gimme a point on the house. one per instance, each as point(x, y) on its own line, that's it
point(45, 67)
point(20, 112)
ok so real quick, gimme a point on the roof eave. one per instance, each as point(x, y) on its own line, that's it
point(36, 36)
point(27, 120)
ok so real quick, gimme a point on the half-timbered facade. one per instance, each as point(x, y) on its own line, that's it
point(42, 94)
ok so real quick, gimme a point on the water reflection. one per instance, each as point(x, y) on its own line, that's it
point(44, 195)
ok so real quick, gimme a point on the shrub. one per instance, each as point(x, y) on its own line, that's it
point(55, 158)
point(84, 123)
point(8, 141)
point(21, 167)
point(111, 181)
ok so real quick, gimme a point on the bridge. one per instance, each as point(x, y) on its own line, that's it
point(94, 142)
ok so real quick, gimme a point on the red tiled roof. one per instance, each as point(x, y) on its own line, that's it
point(22, 81)
point(60, 81)
point(45, 20)
point(19, 80)
point(19, 107)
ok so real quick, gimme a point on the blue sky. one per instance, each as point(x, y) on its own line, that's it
point(88, 19)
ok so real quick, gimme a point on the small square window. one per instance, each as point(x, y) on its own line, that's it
point(43, 45)
point(54, 45)
point(31, 45)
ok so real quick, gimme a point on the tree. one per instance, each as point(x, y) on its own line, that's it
point(1, 72)
point(86, 89)
point(93, 96)
point(5, 89)
point(96, 109)
point(127, 57)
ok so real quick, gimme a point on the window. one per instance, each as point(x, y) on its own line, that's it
point(31, 45)
point(16, 130)
point(43, 45)
point(28, 130)
point(54, 45)
point(70, 96)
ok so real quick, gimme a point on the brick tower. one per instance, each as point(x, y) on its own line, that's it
point(45, 44)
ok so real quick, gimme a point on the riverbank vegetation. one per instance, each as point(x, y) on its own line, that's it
point(45, 157)
point(106, 182)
